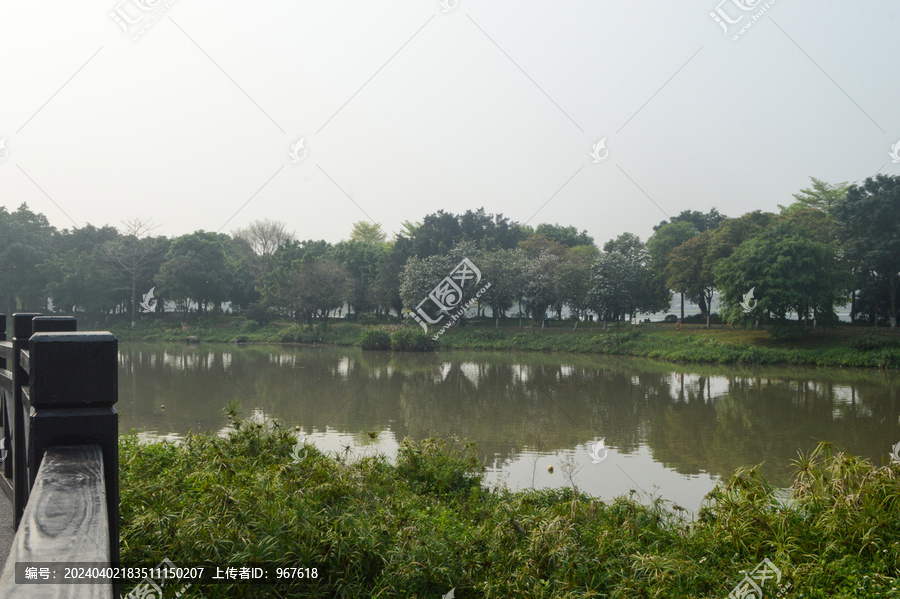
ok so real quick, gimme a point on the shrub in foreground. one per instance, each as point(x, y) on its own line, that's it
point(426, 525)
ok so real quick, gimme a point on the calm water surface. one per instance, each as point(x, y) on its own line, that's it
point(670, 430)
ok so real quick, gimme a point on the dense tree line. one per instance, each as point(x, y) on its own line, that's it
point(834, 244)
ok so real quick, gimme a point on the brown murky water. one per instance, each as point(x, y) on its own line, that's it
point(667, 430)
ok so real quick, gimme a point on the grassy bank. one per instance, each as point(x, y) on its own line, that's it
point(842, 346)
point(425, 524)
point(694, 344)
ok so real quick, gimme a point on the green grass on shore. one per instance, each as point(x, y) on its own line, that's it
point(842, 346)
point(424, 524)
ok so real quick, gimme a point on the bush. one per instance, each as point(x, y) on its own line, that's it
point(305, 334)
point(701, 319)
point(411, 340)
point(368, 318)
point(787, 331)
point(426, 524)
point(258, 313)
point(434, 466)
point(292, 335)
point(375, 339)
point(870, 342)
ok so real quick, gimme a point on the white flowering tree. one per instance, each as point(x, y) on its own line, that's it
point(542, 284)
point(505, 270)
point(419, 277)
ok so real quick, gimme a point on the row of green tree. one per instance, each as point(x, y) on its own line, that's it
point(833, 245)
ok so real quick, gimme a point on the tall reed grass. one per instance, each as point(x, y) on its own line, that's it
point(424, 523)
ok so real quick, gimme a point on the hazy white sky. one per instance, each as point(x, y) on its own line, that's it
point(406, 109)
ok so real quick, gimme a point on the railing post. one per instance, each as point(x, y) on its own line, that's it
point(15, 413)
point(74, 386)
point(4, 421)
point(41, 324)
point(54, 324)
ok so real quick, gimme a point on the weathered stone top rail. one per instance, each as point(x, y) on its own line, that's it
point(65, 521)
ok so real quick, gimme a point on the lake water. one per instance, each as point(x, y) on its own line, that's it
point(668, 430)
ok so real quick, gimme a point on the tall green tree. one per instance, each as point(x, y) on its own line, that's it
point(323, 286)
point(575, 279)
point(368, 232)
point(643, 295)
point(567, 236)
point(360, 261)
point(77, 273)
point(788, 270)
point(489, 231)
point(614, 280)
point(195, 269)
point(505, 271)
point(279, 287)
point(282, 286)
point(869, 227)
point(408, 229)
point(660, 245)
point(732, 232)
point(441, 231)
point(821, 195)
point(77, 281)
point(701, 221)
point(538, 244)
point(26, 240)
point(387, 279)
point(689, 271)
point(437, 234)
point(242, 263)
